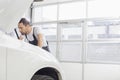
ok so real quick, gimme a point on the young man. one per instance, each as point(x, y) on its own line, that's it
point(33, 35)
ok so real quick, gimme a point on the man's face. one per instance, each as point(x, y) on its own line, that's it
point(22, 28)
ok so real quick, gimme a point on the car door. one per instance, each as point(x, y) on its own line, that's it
point(2, 63)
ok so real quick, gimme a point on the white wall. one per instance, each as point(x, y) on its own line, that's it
point(102, 72)
point(73, 71)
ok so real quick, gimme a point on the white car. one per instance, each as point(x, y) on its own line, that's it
point(20, 60)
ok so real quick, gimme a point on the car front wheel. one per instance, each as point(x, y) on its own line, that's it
point(42, 77)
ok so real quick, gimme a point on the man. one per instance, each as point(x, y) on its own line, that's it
point(33, 35)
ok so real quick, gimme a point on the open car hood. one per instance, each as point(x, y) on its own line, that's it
point(11, 12)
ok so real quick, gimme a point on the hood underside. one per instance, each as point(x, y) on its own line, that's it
point(11, 11)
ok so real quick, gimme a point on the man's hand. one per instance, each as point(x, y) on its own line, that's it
point(21, 37)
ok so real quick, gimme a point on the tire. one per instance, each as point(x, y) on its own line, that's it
point(42, 77)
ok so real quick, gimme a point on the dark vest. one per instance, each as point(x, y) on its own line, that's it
point(35, 42)
point(16, 33)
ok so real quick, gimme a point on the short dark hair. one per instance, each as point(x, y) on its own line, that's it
point(24, 21)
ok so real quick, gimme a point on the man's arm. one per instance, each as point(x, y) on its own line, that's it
point(40, 40)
